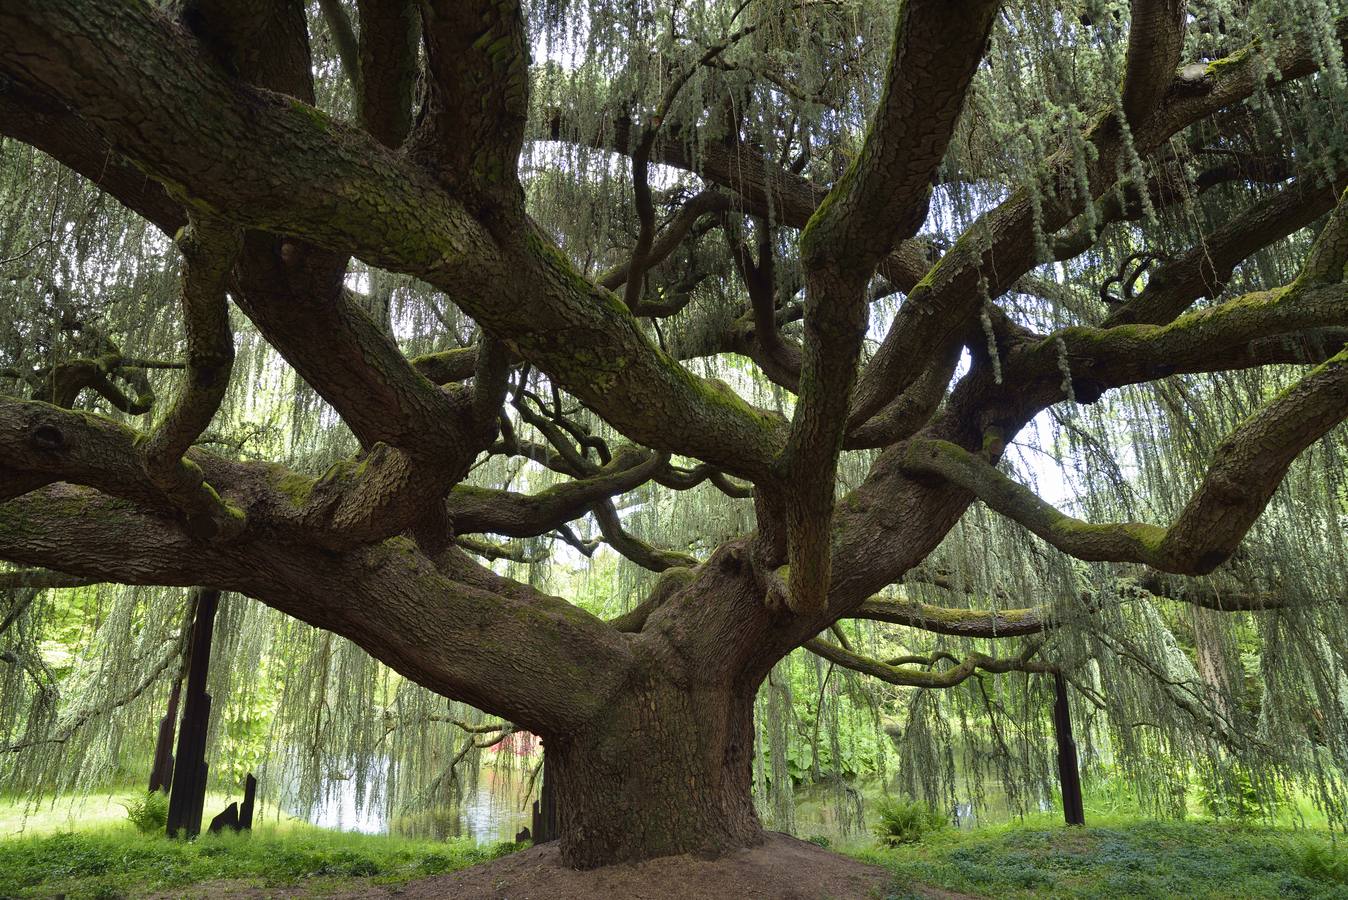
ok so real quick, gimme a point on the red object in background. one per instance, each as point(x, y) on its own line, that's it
point(520, 743)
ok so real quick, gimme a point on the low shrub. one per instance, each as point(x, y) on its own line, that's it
point(1228, 792)
point(906, 821)
point(148, 812)
point(1319, 860)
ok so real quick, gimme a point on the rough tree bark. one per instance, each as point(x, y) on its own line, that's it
point(666, 770)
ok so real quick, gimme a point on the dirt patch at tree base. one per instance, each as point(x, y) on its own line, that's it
point(782, 868)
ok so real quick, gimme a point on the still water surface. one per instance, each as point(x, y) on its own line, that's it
point(498, 809)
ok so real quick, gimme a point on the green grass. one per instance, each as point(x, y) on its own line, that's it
point(18, 817)
point(118, 861)
point(108, 808)
point(89, 849)
point(1127, 859)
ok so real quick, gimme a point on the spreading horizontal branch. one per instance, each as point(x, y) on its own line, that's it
point(974, 623)
point(381, 493)
point(1304, 321)
point(1019, 621)
point(1205, 268)
point(44, 443)
point(476, 509)
point(561, 455)
point(489, 550)
point(632, 547)
point(187, 112)
point(999, 248)
point(1246, 469)
point(498, 645)
point(32, 118)
point(907, 676)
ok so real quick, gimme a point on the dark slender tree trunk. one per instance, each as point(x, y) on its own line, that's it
point(161, 772)
point(666, 771)
point(1069, 773)
point(188, 794)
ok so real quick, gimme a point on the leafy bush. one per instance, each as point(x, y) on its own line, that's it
point(348, 863)
point(819, 840)
point(1319, 860)
point(1228, 792)
point(503, 848)
point(906, 821)
point(148, 812)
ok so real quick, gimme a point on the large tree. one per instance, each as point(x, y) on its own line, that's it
point(787, 171)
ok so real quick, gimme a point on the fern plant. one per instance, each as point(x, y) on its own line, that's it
point(906, 821)
point(148, 812)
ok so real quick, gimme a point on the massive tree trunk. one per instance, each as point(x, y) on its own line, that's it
point(665, 766)
point(667, 770)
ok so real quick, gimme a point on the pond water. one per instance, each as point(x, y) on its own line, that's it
point(499, 808)
point(495, 811)
point(821, 809)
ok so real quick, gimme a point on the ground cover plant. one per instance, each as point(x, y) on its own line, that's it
point(122, 862)
point(1128, 858)
point(1125, 857)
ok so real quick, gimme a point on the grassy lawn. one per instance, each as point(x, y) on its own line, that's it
point(1123, 859)
point(89, 850)
point(118, 861)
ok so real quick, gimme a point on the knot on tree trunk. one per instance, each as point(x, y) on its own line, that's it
point(45, 436)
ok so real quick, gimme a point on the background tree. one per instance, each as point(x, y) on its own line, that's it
point(789, 277)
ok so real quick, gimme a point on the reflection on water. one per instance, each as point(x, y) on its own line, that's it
point(341, 810)
point(824, 811)
point(496, 811)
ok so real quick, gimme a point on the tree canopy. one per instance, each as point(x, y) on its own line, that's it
point(579, 361)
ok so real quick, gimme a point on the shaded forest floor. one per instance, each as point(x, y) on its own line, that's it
point(1131, 859)
point(1137, 859)
point(117, 861)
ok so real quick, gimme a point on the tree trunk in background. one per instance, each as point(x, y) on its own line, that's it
point(545, 811)
point(1069, 772)
point(1213, 659)
point(668, 770)
point(188, 796)
point(161, 772)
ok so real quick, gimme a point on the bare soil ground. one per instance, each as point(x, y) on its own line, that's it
point(782, 868)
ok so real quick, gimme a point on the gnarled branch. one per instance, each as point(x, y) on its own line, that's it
point(1246, 469)
point(904, 676)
